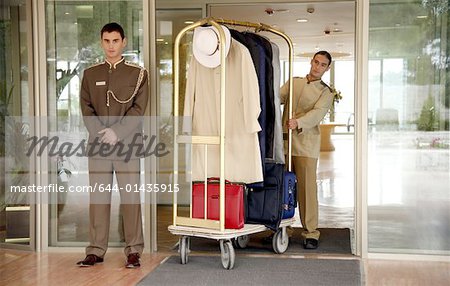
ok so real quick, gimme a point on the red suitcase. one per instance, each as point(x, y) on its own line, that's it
point(234, 202)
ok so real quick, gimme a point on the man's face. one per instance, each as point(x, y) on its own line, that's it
point(319, 65)
point(113, 45)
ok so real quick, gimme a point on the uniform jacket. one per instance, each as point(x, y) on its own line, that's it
point(114, 96)
point(202, 102)
point(311, 102)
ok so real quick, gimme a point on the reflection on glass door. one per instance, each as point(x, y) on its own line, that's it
point(409, 127)
point(73, 44)
point(15, 210)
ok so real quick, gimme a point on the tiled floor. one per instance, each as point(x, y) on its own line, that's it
point(409, 210)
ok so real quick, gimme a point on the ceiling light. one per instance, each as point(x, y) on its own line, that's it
point(160, 40)
point(302, 20)
point(188, 22)
point(67, 13)
point(270, 11)
point(422, 17)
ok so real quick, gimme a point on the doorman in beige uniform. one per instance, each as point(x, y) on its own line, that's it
point(113, 100)
point(312, 99)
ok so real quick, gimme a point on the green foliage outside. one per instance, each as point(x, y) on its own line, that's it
point(428, 119)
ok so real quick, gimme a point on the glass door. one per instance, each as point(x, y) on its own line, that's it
point(336, 169)
point(409, 128)
point(73, 44)
point(16, 83)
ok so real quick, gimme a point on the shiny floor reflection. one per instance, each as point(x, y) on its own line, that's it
point(409, 193)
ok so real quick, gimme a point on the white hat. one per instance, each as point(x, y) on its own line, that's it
point(206, 45)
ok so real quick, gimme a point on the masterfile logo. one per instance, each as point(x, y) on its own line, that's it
point(149, 147)
point(136, 138)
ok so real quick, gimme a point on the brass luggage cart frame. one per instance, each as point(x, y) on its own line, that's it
point(213, 229)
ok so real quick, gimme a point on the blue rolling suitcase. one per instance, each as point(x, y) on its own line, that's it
point(289, 194)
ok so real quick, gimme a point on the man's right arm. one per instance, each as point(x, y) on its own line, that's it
point(90, 118)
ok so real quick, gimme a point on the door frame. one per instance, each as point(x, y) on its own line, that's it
point(149, 18)
point(31, 84)
point(361, 124)
point(360, 108)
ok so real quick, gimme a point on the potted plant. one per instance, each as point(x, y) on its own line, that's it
point(63, 176)
point(13, 148)
point(336, 98)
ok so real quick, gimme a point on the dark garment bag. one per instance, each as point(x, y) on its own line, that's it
point(264, 204)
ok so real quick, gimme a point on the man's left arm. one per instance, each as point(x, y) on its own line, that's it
point(133, 116)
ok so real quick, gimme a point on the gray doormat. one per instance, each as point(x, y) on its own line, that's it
point(332, 241)
point(208, 270)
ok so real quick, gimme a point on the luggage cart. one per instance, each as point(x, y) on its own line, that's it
point(187, 227)
point(230, 239)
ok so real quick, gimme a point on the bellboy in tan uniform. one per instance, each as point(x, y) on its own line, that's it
point(312, 99)
point(113, 99)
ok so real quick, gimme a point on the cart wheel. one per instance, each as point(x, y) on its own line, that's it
point(280, 241)
point(184, 249)
point(241, 241)
point(227, 254)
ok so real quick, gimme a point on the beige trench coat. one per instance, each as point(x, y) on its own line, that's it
point(311, 102)
point(202, 102)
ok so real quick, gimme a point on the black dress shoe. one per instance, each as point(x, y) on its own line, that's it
point(133, 260)
point(90, 260)
point(310, 243)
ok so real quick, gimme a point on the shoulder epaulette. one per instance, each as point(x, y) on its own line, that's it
point(132, 64)
point(326, 85)
point(96, 65)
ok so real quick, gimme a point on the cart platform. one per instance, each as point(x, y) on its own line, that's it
point(229, 238)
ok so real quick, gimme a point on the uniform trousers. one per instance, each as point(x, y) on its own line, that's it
point(305, 170)
point(101, 173)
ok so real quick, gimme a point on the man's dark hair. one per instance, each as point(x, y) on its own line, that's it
point(113, 27)
point(324, 53)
